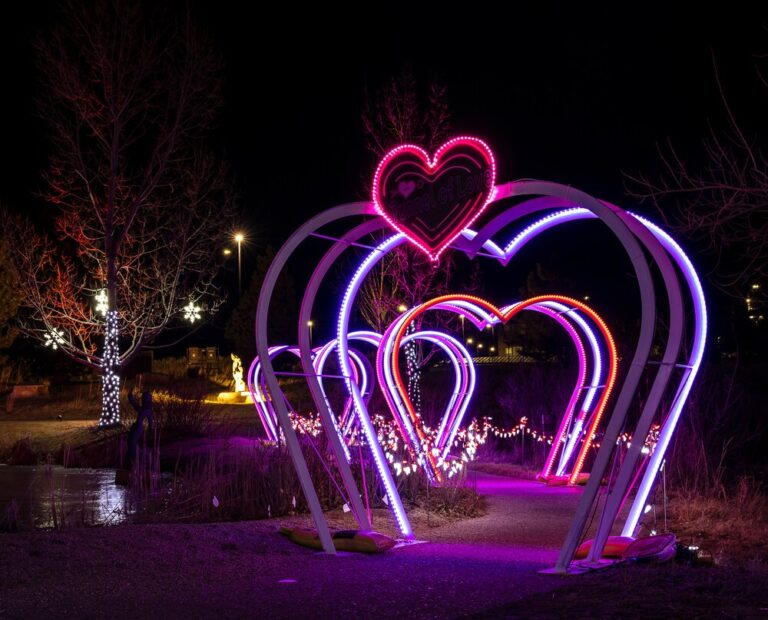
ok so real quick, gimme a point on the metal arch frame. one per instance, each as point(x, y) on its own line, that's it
point(318, 395)
point(558, 302)
point(258, 390)
point(457, 405)
point(262, 347)
point(481, 319)
point(630, 234)
point(366, 376)
point(595, 382)
point(552, 196)
point(481, 314)
point(453, 349)
point(690, 369)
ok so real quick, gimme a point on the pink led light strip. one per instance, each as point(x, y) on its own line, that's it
point(410, 424)
point(433, 164)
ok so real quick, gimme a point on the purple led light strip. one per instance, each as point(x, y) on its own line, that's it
point(697, 349)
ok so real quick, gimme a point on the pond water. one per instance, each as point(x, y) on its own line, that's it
point(47, 497)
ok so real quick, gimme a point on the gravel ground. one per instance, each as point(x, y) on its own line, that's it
point(485, 567)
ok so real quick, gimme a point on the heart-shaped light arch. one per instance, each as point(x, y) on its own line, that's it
point(483, 314)
point(633, 234)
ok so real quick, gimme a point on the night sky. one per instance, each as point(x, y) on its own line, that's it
point(559, 93)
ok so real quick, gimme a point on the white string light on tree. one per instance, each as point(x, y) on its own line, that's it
point(110, 404)
point(413, 371)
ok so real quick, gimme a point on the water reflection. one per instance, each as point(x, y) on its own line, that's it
point(46, 497)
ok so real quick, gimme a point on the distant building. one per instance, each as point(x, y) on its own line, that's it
point(204, 359)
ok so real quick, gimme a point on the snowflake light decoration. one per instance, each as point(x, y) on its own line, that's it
point(54, 338)
point(102, 302)
point(192, 312)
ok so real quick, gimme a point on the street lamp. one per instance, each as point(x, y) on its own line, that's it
point(239, 239)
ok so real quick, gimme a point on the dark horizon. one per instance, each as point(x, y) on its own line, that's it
point(560, 95)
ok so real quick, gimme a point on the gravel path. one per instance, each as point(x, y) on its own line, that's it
point(235, 570)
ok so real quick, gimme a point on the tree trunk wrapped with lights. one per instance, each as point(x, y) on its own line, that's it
point(110, 377)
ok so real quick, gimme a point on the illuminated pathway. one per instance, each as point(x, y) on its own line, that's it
point(522, 514)
point(228, 570)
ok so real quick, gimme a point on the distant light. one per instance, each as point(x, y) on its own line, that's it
point(755, 287)
point(492, 349)
point(480, 345)
point(402, 308)
point(586, 297)
point(647, 509)
point(469, 341)
point(227, 251)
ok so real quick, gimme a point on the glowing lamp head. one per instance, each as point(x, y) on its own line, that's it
point(239, 237)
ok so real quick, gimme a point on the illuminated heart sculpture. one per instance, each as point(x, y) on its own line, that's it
point(432, 450)
point(432, 200)
point(412, 431)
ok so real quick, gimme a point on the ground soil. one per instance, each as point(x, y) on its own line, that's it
point(482, 568)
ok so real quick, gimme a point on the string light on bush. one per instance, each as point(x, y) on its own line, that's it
point(110, 378)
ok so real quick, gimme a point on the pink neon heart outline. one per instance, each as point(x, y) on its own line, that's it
point(433, 168)
point(504, 314)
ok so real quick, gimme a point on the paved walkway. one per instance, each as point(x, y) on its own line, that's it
point(247, 570)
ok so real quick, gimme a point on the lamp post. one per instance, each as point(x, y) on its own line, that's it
point(239, 239)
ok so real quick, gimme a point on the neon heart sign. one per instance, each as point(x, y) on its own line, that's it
point(431, 200)
point(432, 451)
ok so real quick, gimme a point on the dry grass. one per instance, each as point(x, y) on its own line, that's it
point(731, 525)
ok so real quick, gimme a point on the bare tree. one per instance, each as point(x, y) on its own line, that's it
point(722, 203)
point(140, 206)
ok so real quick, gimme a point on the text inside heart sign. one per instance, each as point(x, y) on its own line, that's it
point(431, 200)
